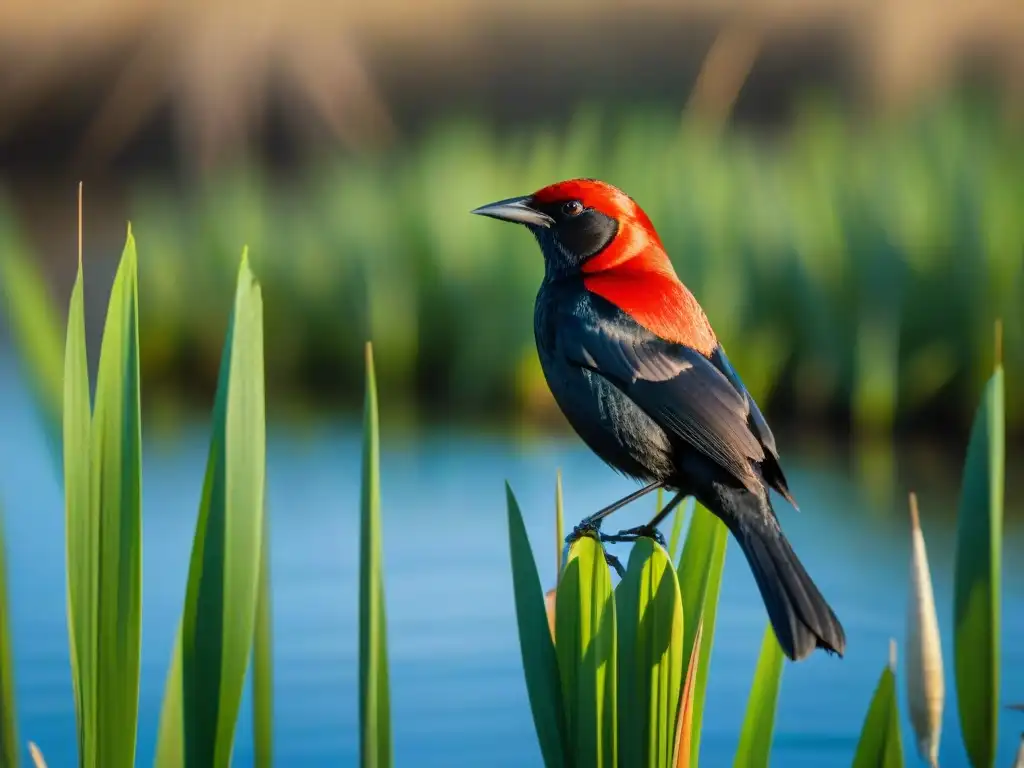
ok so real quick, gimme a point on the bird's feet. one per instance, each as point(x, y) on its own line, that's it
point(590, 527)
point(632, 534)
point(586, 527)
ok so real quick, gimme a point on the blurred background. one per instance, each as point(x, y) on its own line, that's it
point(841, 184)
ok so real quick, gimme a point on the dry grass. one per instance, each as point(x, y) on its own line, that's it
point(215, 62)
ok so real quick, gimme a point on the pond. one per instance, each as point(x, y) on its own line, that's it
point(458, 694)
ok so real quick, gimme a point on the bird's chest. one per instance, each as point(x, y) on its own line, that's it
point(611, 424)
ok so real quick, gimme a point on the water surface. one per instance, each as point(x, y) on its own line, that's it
point(457, 686)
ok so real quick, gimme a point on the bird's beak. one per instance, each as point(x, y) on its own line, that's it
point(516, 209)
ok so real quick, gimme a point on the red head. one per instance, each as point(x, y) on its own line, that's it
point(586, 226)
point(591, 229)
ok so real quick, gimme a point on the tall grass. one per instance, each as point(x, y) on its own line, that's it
point(212, 652)
point(978, 573)
point(880, 744)
point(103, 493)
point(262, 660)
point(227, 615)
point(619, 688)
point(102, 477)
point(374, 687)
point(848, 267)
point(755, 745)
point(821, 259)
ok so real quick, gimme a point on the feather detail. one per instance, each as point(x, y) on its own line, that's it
point(658, 302)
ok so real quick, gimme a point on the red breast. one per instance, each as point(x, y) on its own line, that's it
point(633, 271)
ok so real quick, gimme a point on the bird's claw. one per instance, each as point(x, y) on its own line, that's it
point(591, 528)
point(632, 534)
point(586, 528)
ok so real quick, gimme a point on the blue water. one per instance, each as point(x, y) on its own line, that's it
point(457, 687)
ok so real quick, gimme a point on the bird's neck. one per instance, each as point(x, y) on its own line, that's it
point(657, 300)
point(634, 248)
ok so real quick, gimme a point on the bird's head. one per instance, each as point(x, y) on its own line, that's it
point(584, 225)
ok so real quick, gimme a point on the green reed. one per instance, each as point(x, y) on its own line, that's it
point(101, 437)
point(850, 266)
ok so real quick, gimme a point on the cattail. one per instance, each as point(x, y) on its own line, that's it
point(37, 756)
point(925, 682)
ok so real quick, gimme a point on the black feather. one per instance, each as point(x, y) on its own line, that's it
point(676, 386)
point(800, 616)
point(771, 469)
point(657, 410)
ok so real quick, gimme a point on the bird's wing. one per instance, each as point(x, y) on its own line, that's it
point(757, 421)
point(772, 470)
point(675, 385)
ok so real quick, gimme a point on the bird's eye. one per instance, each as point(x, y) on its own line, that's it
point(573, 208)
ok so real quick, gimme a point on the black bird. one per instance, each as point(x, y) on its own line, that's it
point(636, 368)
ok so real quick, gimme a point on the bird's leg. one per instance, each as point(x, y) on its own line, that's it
point(592, 523)
point(650, 530)
point(614, 562)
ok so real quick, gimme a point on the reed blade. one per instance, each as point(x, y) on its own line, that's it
point(585, 633)
point(755, 747)
point(215, 639)
point(374, 688)
point(977, 577)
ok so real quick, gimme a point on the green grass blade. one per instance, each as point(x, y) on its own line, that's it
point(35, 325)
point(755, 745)
point(104, 526)
point(585, 643)
point(677, 524)
point(80, 555)
point(559, 526)
point(543, 685)
point(262, 661)
point(374, 694)
point(9, 744)
point(649, 611)
point(212, 652)
point(700, 579)
point(880, 745)
point(976, 595)
point(170, 741)
point(116, 492)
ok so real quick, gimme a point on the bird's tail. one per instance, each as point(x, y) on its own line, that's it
point(800, 616)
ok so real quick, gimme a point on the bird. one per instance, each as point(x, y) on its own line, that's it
point(633, 363)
